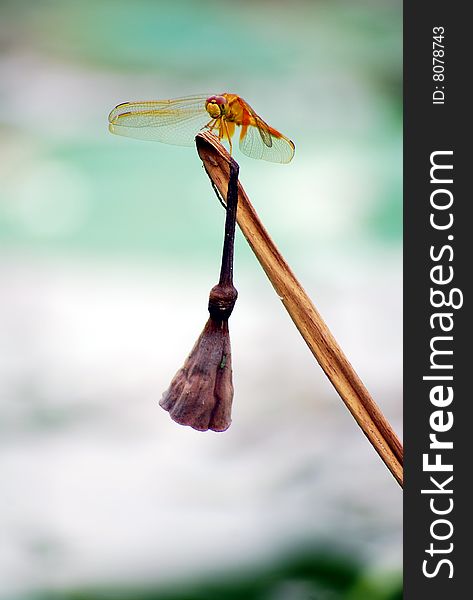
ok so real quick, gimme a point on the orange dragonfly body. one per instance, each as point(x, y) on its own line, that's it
point(178, 121)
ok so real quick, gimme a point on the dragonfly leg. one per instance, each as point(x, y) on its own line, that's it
point(211, 124)
point(229, 137)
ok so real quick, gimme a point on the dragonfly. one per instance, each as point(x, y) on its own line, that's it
point(177, 121)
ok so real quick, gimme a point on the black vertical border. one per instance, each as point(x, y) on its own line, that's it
point(428, 128)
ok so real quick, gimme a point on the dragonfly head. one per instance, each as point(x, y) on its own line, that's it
point(216, 106)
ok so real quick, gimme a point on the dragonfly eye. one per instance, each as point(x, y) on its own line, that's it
point(216, 106)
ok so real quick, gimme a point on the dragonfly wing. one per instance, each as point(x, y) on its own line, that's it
point(255, 144)
point(170, 121)
point(263, 128)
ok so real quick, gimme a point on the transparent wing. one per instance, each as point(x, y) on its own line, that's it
point(267, 144)
point(263, 128)
point(174, 121)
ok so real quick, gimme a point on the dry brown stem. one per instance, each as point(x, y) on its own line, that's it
point(304, 314)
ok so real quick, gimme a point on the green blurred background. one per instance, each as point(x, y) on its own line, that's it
point(108, 248)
